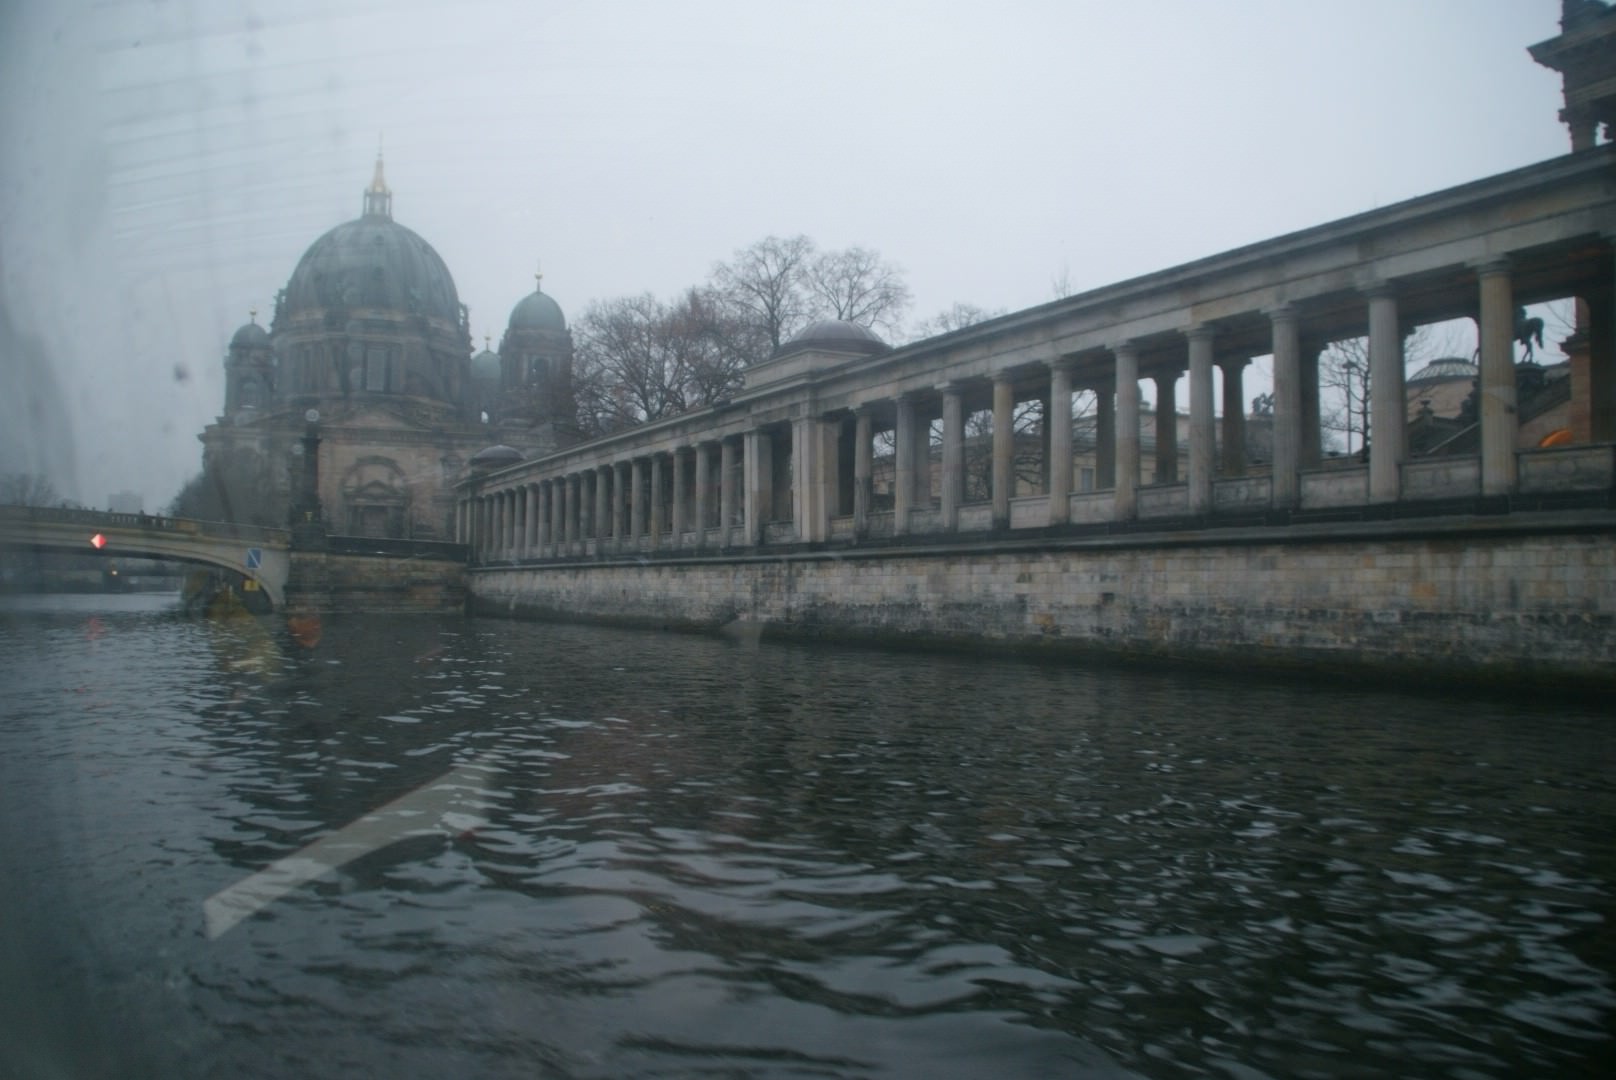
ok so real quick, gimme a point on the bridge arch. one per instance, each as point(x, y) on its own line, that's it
point(257, 554)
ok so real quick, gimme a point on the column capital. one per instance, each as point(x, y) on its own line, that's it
point(1281, 313)
point(1491, 267)
point(1125, 347)
point(1378, 289)
point(1067, 364)
point(1233, 363)
point(864, 408)
point(1200, 332)
point(952, 386)
point(1002, 377)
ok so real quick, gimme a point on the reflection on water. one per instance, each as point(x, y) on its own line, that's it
point(694, 857)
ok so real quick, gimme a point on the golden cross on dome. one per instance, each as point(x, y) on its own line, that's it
point(252, 315)
point(538, 277)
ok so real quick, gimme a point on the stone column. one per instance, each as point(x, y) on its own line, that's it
point(620, 471)
point(863, 469)
point(1600, 346)
point(681, 494)
point(759, 484)
point(1105, 435)
point(546, 516)
point(1388, 401)
point(920, 493)
point(813, 465)
point(658, 521)
point(603, 507)
point(638, 503)
point(575, 504)
point(953, 455)
point(1234, 416)
point(1287, 406)
point(1166, 427)
point(1127, 368)
point(903, 470)
point(1004, 448)
point(1312, 445)
point(532, 521)
point(558, 515)
point(501, 516)
point(726, 490)
point(1499, 422)
point(1202, 440)
point(518, 521)
point(1059, 422)
point(704, 485)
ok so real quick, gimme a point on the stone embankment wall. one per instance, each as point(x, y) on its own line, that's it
point(1469, 600)
point(326, 582)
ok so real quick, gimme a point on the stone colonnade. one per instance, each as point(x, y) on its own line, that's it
point(828, 446)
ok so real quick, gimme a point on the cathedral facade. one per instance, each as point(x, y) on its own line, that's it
point(369, 350)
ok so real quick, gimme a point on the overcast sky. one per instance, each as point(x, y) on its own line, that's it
point(166, 163)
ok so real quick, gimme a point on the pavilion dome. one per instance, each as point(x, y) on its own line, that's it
point(837, 335)
point(1446, 367)
point(537, 311)
point(495, 457)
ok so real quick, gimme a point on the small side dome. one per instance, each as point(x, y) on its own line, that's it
point(836, 335)
point(485, 366)
point(536, 311)
point(250, 336)
point(494, 457)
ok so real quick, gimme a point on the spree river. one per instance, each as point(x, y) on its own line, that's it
point(559, 851)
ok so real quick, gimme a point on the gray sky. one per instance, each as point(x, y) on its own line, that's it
point(166, 163)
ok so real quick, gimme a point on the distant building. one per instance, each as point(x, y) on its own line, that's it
point(370, 348)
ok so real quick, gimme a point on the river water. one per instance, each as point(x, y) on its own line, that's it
point(624, 854)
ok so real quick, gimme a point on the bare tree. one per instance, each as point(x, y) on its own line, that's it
point(857, 285)
point(28, 489)
point(721, 344)
point(769, 281)
point(625, 343)
point(1060, 285)
point(640, 359)
point(957, 316)
point(1344, 383)
point(236, 486)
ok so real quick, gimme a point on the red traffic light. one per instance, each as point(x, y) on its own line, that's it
point(98, 541)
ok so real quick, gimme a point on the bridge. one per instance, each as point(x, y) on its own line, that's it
point(258, 554)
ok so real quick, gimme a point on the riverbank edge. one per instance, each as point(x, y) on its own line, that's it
point(1486, 600)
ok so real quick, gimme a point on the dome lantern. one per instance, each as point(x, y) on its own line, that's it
point(378, 200)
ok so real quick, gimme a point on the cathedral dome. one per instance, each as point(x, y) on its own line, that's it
point(373, 262)
point(536, 311)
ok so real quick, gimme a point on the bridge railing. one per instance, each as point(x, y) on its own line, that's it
point(219, 530)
